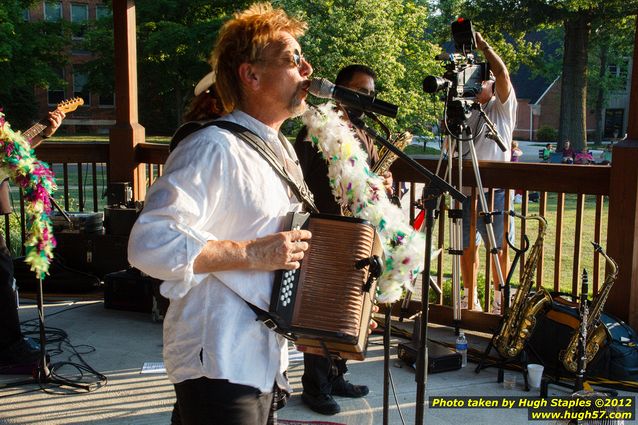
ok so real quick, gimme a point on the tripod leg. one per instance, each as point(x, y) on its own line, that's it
point(456, 235)
point(485, 355)
point(492, 245)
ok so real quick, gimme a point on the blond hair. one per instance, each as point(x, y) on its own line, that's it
point(243, 40)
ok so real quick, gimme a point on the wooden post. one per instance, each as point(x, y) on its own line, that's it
point(622, 243)
point(127, 132)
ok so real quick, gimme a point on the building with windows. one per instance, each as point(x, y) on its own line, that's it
point(539, 104)
point(98, 112)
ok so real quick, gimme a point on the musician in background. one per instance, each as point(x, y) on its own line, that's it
point(323, 377)
point(211, 227)
point(206, 104)
point(15, 349)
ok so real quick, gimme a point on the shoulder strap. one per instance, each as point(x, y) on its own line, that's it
point(300, 190)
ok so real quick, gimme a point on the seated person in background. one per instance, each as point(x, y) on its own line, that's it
point(583, 157)
point(516, 152)
point(568, 153)
point(547, 152)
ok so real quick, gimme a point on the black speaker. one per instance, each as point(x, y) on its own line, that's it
point(94, 253)
point(131, 290)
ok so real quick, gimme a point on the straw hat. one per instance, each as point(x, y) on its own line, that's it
point(205, 83)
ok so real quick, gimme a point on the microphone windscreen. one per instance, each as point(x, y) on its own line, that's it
point(321, 87)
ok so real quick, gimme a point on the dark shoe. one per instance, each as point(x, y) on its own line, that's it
point(346, 389)
point(322, 403)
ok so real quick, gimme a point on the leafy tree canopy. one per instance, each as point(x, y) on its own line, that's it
point(31, 54)
point(390, 36)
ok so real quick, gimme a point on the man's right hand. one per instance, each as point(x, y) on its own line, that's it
point(279, 251)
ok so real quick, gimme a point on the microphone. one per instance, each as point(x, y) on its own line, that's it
point(320, 87)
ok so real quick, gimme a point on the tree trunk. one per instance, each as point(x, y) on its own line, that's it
point(573, 110)
point(600, 96)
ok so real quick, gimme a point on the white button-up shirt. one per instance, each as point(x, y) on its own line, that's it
point(215, 187)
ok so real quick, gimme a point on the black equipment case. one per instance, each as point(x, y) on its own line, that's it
point(440, 357)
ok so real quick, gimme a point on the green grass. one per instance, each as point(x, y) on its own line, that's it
point(418, 150)
point(101, 138)
point(549, 262)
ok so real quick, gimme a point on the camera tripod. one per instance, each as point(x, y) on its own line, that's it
point(455, 213)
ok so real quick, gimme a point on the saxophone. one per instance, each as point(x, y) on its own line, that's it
point(519, 321)
point(596, 331)
point(387, 157)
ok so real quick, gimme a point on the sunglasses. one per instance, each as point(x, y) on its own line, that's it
point(297, 58)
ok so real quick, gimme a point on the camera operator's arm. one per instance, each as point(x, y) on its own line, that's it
point(503, 83)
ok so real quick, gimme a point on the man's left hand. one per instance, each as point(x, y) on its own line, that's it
point(55, 118)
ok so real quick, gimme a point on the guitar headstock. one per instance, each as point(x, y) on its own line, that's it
point(70, 105)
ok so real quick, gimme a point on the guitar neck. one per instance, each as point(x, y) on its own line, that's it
point(66, 106)
point(34, 131)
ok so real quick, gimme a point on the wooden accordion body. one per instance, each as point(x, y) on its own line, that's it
point(325, 303)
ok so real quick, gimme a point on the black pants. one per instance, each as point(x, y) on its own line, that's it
point(205, 401)
point(319, 375)
point(9, 322)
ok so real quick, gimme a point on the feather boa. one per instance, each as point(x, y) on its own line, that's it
point(355, 185)
point(36, 180)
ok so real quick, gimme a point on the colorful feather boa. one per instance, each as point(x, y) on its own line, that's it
point(355, 185)
point(37, 182)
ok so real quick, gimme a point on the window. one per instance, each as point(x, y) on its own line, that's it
point(614, 70)
point(25, 15)
point(613, 122)
point(79, 87)
point(79, 16)
point(106, 100)
point(52, 11)
point(102, 11)
point(55, 94)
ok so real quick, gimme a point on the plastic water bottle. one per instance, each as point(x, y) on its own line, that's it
point(461, 348)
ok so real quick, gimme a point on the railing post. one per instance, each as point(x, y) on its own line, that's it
point(127, 132)
point(622, 231)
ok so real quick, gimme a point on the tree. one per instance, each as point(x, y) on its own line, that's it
point(174, 40)
point(31, 54)
point(390, 36)
point(576, 17)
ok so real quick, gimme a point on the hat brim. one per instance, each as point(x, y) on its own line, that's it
point(205, 83)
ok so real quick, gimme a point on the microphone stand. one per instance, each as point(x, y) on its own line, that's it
point(42, 374)
point(436, 188)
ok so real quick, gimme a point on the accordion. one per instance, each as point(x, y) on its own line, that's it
point(326, 304)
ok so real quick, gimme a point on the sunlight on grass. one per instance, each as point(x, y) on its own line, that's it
point(89, 138)
point(549, 259)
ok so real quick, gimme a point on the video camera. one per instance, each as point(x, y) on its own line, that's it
point(463, 77)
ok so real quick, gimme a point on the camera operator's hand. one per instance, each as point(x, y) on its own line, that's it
point(497, 67)
point(481, 44)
